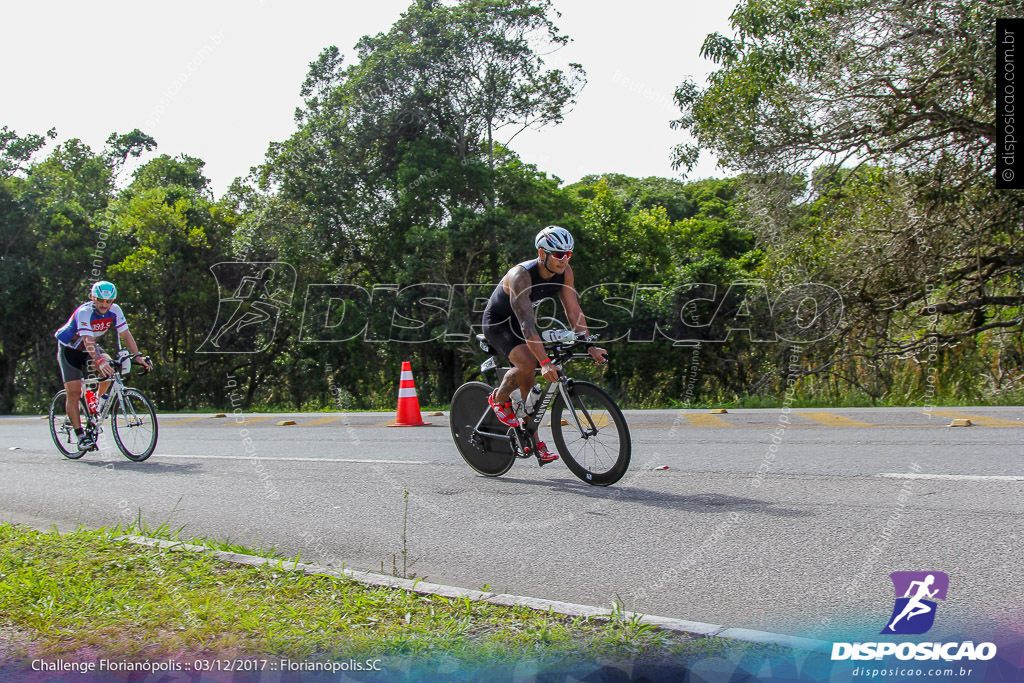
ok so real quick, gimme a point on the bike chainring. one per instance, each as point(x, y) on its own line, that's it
point(522, 442)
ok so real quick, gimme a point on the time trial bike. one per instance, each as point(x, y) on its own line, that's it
point(132, 418)
point(588, 428)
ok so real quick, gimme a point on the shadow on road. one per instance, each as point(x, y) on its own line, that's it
point(146, 466)
point(713, 503)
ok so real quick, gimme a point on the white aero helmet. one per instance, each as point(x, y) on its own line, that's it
point(554, 238)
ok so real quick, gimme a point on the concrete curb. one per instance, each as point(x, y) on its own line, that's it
point(566, 608)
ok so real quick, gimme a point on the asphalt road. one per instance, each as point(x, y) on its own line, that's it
point(780, 521)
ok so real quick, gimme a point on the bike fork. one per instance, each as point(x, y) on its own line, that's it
point(585, 433)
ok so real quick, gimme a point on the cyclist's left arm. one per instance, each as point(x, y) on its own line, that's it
point(129, 341)
point(121, 325)
point(574, 314)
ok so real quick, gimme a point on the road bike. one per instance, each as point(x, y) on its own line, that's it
point(589, 430)
point(132, 418)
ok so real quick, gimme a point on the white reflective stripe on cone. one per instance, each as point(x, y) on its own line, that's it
point(406, 374)
point(406, 393)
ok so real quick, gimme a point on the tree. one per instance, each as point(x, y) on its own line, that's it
point(419, 111)
point(133, 144)
point(826, 81)
point(398, 172)
point(166, 233)
point(16, 150)
point(641, 193)
point(907, 88)
point(465, 72)
point(49, 220)
point(645, 267)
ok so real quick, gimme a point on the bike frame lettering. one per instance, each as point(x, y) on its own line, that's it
point(542, 405)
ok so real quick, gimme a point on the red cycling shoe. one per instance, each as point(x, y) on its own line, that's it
point(544, 455)
point(506, 414)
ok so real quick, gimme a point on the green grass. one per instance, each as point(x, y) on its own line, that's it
point(62, 594)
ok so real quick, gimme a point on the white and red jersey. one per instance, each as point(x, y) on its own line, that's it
point(86, 321)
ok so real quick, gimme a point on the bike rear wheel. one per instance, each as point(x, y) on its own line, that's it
point(491, 457)
point(600, 456)
point(134, 425)
point(63, 434)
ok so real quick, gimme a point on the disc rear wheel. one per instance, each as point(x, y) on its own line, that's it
point(490, 456)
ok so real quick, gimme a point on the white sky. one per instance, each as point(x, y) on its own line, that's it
point(219, 80)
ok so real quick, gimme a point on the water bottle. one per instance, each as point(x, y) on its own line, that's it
point(102, 403)
point(518, 405)
point(531, 400)
point(90, 400)
point(126, 362)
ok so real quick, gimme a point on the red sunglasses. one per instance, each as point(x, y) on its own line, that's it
point(560, 255)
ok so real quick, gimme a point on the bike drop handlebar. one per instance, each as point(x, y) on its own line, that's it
point(119, 362)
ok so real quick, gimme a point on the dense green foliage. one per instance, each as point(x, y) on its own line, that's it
point(864, 250)
point(866, 128)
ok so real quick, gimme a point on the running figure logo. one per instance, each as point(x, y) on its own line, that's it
point(914, 611)
point(247, 317)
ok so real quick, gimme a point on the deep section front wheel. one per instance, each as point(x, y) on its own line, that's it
point(61, 431)
point(592, 437)
point(488, 455)
point(134, 425)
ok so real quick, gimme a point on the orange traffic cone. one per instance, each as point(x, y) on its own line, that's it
point(408, 404)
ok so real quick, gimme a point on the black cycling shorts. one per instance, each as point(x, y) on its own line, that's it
point(74, 362)
point(502, 335)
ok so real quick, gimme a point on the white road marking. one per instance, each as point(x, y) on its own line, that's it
point(272, 457)
point(952, 477)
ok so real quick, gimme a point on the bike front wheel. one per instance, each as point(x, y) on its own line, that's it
point(63, 434)
point(134, 425)
point(489, 455)
point(591, 436)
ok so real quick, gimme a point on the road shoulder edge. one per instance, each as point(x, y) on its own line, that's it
point(695, 628)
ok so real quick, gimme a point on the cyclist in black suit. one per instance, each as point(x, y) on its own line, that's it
point(510, 324)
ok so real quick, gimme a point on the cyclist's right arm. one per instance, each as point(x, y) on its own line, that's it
point(92, 348)
point(518, 281)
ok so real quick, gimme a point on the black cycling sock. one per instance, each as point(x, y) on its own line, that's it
point(79, 432)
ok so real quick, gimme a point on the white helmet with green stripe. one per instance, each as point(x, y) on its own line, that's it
point(104, 290)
